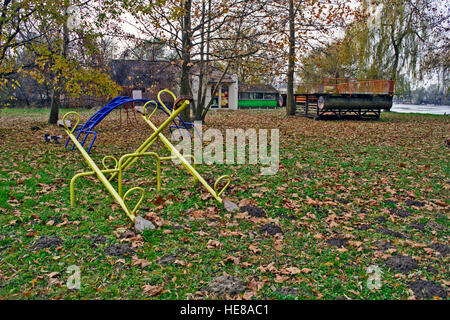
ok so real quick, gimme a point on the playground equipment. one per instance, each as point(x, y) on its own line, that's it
point(128, 159)
point(127, 106)
point(96, 118)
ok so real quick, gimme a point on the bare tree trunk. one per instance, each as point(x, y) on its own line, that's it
point(185, 86)
point(395, 63)
point(54, 107)
point(213, 93)
point(290, 104)
point(200, 96)
point(56, 97)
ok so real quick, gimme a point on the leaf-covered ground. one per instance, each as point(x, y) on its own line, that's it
point(350, 197)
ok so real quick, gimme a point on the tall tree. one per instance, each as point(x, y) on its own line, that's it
point(290, 103)
point(65, 53)
point(237, 39)
point(186, 47)
point(399, 40)
point(14, 16)
point(204, 33)
point(301, 26)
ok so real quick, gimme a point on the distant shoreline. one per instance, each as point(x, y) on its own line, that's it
point(421, 109)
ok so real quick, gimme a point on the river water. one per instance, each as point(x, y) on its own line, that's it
point(422, 108)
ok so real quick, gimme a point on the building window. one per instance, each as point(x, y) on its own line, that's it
point(244, 95)
point(257, 95)
point(215, 103)
point(224, 96)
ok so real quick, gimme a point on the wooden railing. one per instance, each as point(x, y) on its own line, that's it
point(350, 86)
point(366, 87)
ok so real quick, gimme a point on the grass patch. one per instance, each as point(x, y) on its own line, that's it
point(336, 179)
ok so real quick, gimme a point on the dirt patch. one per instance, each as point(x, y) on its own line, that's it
point(118, 250)
point(441, 248)
point(343, 201)
point(167, 259)
point(427, 289)
point(417, 226)
point(435, 226)
point(383, 245)
point(431, 269)
point(288, 216)
point(337, 242)
point(288, 291)
point(306, 173)
point(46, 242)
point(381, 219)
point(403, 264)
point(321, 212)
point(390, 232)
point(390, 201)
point(414, 203)
point(226, 285)
point(271, 229)
point(127, 235)
point(400, 212)
point(98, 239)
point(253, 211)
point(364, 227)
point(209, 179)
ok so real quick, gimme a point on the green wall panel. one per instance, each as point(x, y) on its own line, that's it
point(257, 103)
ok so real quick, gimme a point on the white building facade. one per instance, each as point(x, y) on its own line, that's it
point(226, 96)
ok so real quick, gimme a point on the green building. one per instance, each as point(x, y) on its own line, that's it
point(260, 96)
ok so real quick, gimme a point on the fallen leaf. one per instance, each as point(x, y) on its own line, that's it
point(179, 262)
point(293, 270)
point(151, 291)
point(235, 260)
point(52, 274)
point(306, 270)
point(254, 248)
point(255, 285)
point(280, 279)
point(140, 262)
point(248, 295)
point(212, 244)
point(244, 202)
point(229, 205)
point(241, 215)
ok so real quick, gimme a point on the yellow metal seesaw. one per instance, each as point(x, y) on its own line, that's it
point(141, 151)
point(99, 173)
point(128, 159)
point(214, 192)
